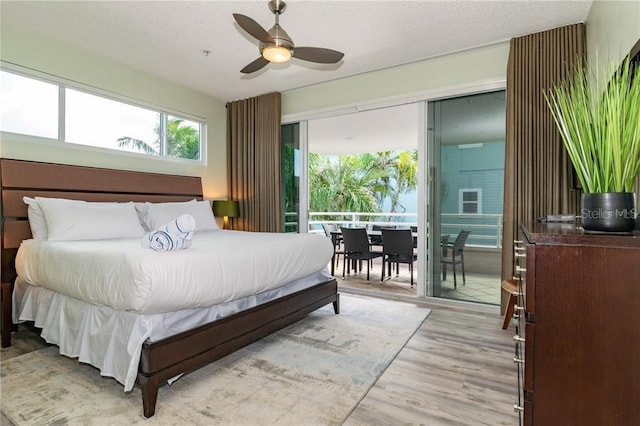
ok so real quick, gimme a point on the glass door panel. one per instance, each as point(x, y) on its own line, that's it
point(291, 166)
point(466, 143)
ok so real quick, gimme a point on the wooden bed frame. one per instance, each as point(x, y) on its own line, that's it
point(181, 353)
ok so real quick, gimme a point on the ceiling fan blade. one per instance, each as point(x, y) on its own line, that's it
point(317, 54)
point(254, 66)
point(253, 28)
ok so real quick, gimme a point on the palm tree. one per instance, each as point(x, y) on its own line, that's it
point(183, 141)
point(341, 185)
point(380, 161)
point(361, 183)
point(405, 175)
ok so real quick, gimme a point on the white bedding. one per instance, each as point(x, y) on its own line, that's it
point(220, 266)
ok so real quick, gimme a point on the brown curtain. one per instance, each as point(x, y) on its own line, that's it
point(538, 173)
point(254, 162)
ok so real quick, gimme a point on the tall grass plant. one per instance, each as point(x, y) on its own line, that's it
point(600, 126)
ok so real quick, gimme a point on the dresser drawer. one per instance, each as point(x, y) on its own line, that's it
point(528, 356)
point(582, 334)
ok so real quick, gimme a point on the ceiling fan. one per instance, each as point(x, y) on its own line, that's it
point(277, 46)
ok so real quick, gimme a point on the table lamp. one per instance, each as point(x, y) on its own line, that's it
point(226, 209)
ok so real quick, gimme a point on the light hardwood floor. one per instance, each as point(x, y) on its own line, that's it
point(480, 287)
point(457, 369)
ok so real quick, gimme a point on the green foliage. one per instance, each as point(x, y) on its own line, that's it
point(290, 181)
point(182, 141)
point(340, 186)
point(360, 183)
point(601, 131)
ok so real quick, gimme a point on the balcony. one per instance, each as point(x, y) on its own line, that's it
point(482, 254)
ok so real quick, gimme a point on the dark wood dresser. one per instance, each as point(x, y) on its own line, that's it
point(578, 327)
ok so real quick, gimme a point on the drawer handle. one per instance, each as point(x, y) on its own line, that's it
point(520, 255)
point(520, 269)
point(517, 408)
point(517, 241)
point(518, 360)
point(518, 308)
point(518, 338)
point(519, 248)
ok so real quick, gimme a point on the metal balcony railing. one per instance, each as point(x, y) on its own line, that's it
point(486, 229)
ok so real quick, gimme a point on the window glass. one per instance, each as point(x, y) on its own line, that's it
point(28, 106)
point(291, 162)
point(96, 121)
point(183, 138)
point(470, 201)
point(32, 107)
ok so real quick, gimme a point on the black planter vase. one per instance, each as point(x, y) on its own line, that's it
point(609, 212)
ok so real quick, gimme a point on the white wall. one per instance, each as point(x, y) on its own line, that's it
point(44, 54)
point(468, 69)
point(613, 28)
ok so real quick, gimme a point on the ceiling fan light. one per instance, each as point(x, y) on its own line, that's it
point(276, 54)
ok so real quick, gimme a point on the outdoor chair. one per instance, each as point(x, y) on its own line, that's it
point(376, 240)
point(330, 230)
point(357, 249)
point(444, 243)
point(414, 230)
point(397, 247)
point(454, 255)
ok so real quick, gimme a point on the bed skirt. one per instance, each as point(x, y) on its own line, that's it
point(111, 340)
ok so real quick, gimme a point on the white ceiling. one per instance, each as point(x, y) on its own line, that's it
point(385, 129)
point(167, 38)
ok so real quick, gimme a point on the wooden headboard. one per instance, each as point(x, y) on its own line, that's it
point(27, 178)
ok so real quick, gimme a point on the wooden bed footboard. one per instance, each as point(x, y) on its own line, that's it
point(192, 349)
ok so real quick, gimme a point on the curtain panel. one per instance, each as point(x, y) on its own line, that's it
point(254, 162)
point(538, 173)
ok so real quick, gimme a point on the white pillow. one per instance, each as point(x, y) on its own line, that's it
point(37, 221)
point(142, 208)
point(69, 220)
point(159, 214)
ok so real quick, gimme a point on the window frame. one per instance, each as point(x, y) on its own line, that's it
point(461, 202)
point(64, 84)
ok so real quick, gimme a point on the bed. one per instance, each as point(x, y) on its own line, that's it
point(178, 340)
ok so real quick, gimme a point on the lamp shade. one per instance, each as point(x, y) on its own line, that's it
point(276, 54)
point(228, 208)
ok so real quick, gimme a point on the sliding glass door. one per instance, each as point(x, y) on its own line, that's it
point(465, 146)
point(456, 148)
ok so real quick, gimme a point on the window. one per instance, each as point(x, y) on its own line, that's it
point(470, 201)
point(33, 107)
point(28, 106)
point(95, 121)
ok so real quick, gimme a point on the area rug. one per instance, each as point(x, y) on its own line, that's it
point(313, 372)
